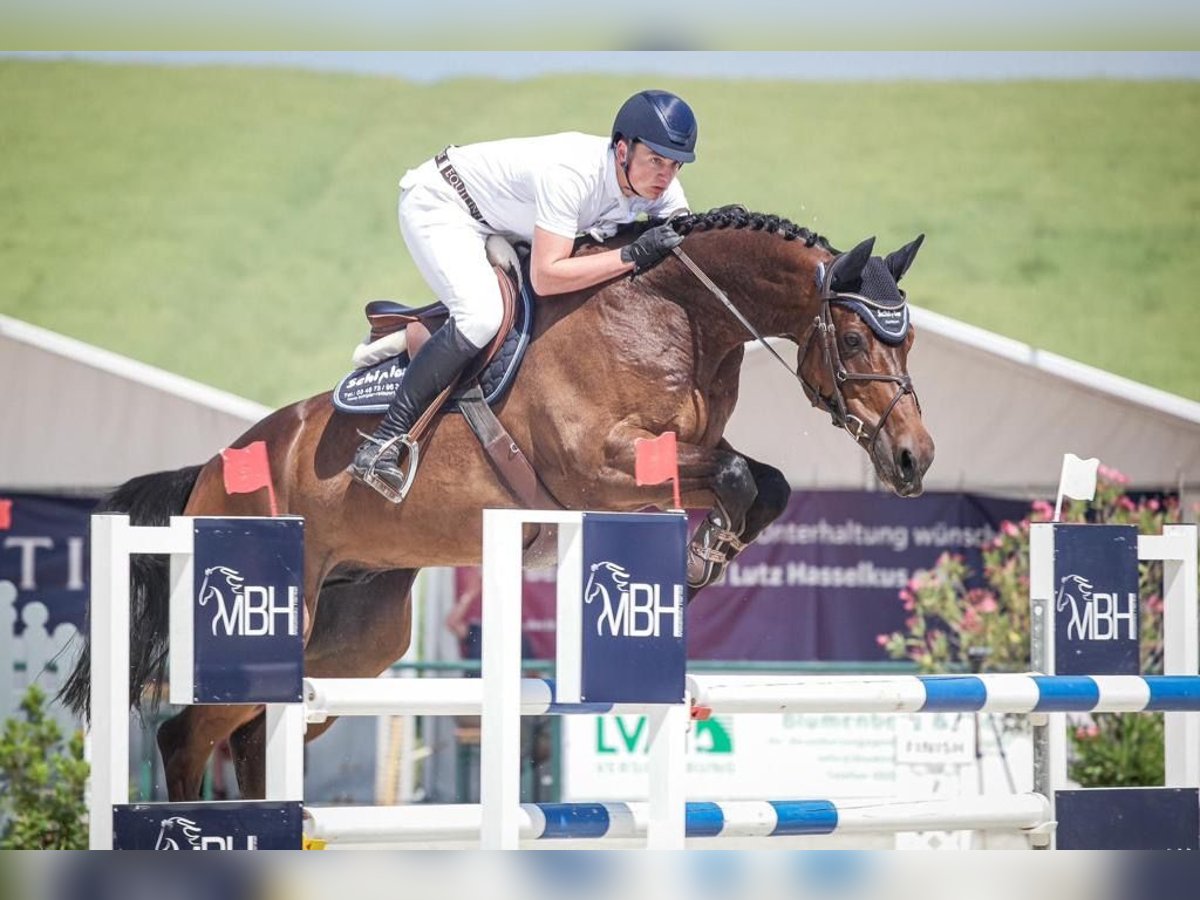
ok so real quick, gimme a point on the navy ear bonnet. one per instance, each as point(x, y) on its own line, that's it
point(877, 300)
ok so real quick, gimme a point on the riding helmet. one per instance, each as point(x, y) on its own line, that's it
point(661, 121)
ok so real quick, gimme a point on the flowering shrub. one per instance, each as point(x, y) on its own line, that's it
point(952, 625)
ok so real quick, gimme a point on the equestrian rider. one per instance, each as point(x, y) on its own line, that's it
point(543, 190)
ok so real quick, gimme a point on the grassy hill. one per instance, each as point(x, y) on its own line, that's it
point(228, 224)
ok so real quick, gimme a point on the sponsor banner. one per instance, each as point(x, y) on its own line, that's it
point(240, 825)
point(1096, 600)
point(44, 553)
point(248, 582)
point(822, 582)
point(634, 599)
point(791, 756)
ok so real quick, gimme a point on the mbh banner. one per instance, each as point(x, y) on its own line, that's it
point(1096, 600)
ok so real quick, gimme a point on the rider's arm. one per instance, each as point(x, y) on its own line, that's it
point(554, 271)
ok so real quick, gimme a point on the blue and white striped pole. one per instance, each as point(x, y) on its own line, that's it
point(460, 823)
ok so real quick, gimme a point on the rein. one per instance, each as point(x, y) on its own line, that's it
point(823, 326)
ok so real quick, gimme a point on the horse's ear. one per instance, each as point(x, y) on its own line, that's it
point(847, 268)
point(899, 261)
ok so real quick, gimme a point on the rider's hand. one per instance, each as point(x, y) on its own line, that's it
point(651, 246)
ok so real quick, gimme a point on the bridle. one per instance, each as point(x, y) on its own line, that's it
point(823, 334)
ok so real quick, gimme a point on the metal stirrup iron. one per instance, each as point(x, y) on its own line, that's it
point(394, 493)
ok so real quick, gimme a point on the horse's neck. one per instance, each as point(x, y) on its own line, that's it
point(771, 281)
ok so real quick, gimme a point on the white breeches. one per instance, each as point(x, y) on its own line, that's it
point(448, 247)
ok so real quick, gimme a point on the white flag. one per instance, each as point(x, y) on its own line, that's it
point(1078, 480)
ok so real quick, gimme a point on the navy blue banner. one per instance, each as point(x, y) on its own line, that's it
point(249, 608)
point(1096, 600)
point(634, 600)
point(44, 553)
point(823, 581)
point(1128, 819)
point(240, 825)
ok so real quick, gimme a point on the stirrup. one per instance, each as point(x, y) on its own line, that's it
point(393, 492)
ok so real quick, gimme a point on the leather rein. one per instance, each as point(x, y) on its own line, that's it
point(822, 334)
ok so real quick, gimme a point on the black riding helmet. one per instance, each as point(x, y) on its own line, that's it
point(661, 121)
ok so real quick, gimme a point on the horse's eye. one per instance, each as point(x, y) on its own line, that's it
point(852, 340)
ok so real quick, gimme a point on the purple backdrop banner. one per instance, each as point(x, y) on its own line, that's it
point(819, 584)
point(823, 580)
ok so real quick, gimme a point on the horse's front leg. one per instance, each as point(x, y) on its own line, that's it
point(744, 497)
point(722, 536)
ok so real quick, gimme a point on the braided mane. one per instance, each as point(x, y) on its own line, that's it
point(739, 217)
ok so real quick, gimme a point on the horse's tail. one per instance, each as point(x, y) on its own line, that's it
point(149, 500)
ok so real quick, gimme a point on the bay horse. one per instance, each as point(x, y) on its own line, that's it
point(630, 358)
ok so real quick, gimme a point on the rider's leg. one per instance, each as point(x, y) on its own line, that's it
point(439, 362)
point(448, 247)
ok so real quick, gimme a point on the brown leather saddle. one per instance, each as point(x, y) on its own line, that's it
point(514, 469)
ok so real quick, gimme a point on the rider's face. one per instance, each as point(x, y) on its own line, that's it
point(649, 174)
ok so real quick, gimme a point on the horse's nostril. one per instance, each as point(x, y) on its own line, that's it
point(907, 464)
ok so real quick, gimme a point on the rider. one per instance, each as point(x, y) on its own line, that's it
point(543, 190)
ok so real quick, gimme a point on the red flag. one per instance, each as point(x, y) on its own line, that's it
point(247, 470)
point(656, 460)
point(5, 515)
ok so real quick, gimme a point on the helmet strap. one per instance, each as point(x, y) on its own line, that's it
point(625, 168)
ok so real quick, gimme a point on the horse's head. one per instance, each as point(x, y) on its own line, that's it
point(853, 360)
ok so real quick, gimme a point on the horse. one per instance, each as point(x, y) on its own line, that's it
point(636, 356)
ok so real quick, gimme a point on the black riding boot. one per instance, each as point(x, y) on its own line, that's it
point(436, 365)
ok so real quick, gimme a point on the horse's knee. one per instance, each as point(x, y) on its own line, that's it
point(735, 488)
point(774, 492)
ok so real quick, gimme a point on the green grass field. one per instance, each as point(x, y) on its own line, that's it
point(228, 224)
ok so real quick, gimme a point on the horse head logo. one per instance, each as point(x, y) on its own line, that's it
point(1071, 586)
point(209, 589)
point(607, 580)
point(178, 833)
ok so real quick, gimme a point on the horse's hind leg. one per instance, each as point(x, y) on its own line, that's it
point(361, 628)
point(186, 741)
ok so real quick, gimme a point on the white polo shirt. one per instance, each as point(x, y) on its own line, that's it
point(565, 183)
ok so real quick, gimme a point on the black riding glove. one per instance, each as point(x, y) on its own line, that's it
point(651, 246)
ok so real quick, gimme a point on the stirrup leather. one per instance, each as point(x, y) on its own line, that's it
point(393, 492)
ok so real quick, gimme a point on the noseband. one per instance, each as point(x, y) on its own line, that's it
point(823, 334)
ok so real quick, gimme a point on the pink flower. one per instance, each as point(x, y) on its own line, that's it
point(988, 604)
point(882, 639)
point(1152, 504)
point(1087, 732)
point(1126, 503)
point(1009, 528)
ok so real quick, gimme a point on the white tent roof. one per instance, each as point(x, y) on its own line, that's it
point(73, 416)
point(1002, 414)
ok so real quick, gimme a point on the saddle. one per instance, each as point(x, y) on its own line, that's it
point(398, 332)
